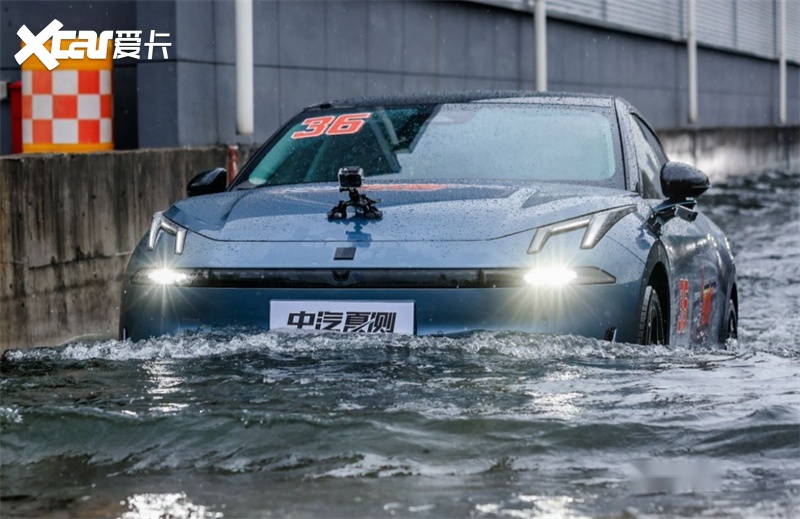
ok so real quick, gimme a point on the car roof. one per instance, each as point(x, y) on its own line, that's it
point(475, 96)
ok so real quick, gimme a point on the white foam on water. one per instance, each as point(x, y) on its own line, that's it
point(514, 345)
point(149, 505)
point(10, 415)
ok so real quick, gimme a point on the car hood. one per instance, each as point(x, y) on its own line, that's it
point(456, 211)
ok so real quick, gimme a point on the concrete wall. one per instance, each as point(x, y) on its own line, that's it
point(725, 152)
point(64, 250)
point(310, 51)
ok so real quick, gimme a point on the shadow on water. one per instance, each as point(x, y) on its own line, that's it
point(246, 423)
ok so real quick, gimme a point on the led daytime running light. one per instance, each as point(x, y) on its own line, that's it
point(553, 276)
point(562, 276)
point(161, 223)
point(597, 225)
point(166, 277)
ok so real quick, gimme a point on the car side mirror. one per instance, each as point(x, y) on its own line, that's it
point(680, 181)
point(208, 182)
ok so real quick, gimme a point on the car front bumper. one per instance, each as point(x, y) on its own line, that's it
point(591, 311)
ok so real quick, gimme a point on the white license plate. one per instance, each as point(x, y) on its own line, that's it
point(343, 316)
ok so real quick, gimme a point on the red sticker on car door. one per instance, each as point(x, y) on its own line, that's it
point(683, 305)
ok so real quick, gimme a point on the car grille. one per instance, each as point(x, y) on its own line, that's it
point(347, 278)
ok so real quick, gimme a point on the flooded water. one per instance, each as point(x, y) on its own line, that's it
point(484, 425)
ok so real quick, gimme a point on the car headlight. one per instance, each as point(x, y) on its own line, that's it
point(596, 225)
point(560, 276)
point(160, 276)
point(161, 223)
point(550, 276)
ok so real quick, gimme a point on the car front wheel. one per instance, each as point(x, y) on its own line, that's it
point(731, 323)
point(651, 318)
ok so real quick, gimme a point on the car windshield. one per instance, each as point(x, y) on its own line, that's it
point(444, 141)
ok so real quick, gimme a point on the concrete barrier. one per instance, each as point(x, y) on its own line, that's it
point(68, 223)
point(724, 152)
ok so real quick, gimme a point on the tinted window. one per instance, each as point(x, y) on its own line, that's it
point(450, 141)
point(649, 159)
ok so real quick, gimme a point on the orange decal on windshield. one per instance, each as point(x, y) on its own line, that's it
point(329, 125)
point(316, 127)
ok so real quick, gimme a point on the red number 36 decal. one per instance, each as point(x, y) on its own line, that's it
point(330, 125)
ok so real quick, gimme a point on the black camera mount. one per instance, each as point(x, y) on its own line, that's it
point(350, 179)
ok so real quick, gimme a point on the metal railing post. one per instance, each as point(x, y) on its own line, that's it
point(540, 28)
point(244, 67)
point(691, 47)
point(782, 61)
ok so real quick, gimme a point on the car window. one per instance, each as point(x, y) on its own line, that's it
point(649, 158)
point(652, 139)
point(444, 141)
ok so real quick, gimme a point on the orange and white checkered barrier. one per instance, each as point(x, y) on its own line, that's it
point(68, 109)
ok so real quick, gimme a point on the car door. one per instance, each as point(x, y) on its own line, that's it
point(697, 294)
